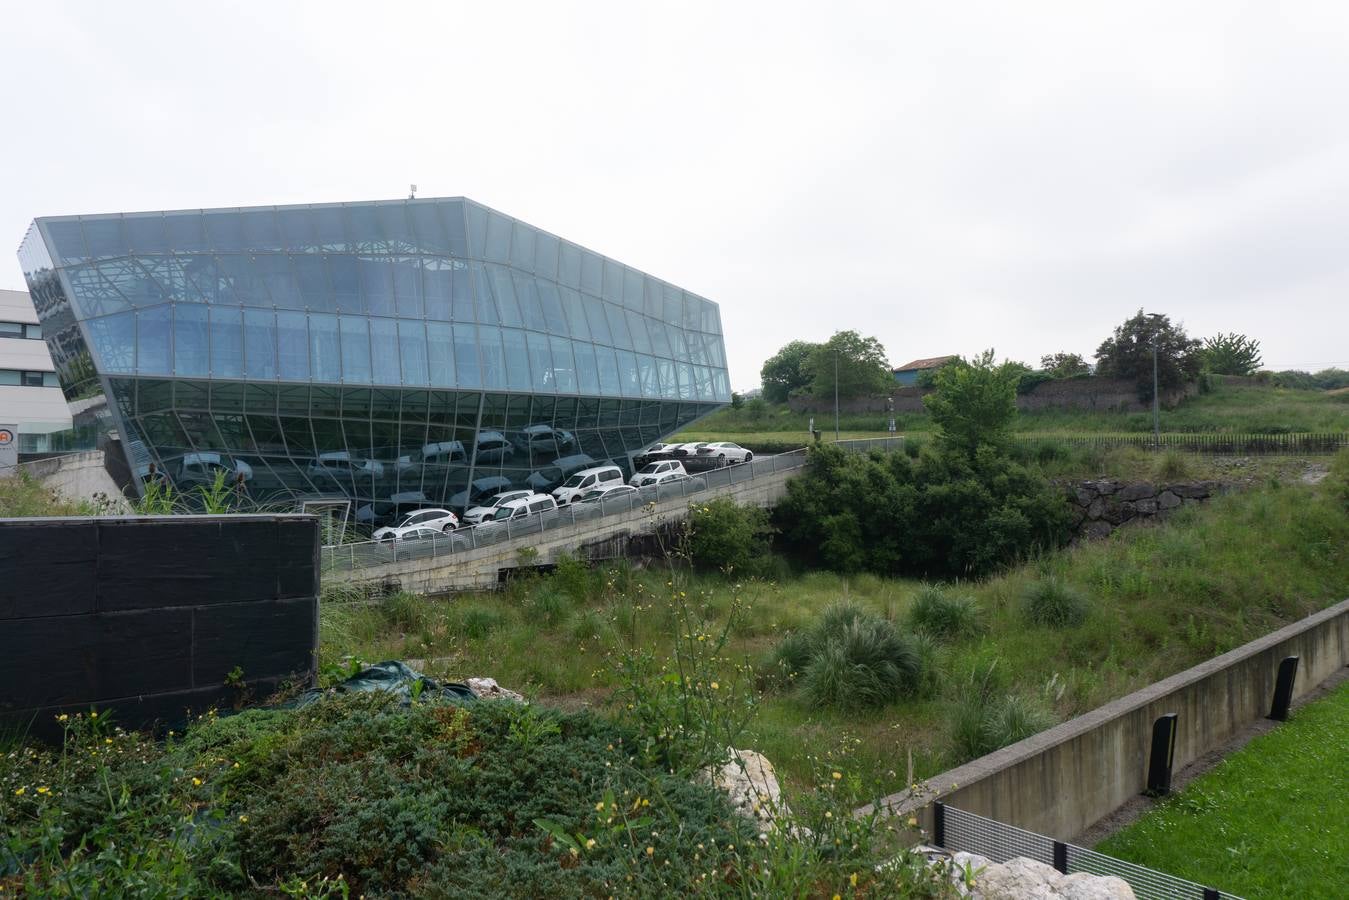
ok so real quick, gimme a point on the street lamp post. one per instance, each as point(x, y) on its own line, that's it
point(836, 432)
point(1156, 401)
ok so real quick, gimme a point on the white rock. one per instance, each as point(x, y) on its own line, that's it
point(488, 689)
point(1018, 879)
point(1085, 886)
point(751, 784)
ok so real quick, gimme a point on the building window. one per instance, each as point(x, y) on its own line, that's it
point(28, 379)
point(20, 330)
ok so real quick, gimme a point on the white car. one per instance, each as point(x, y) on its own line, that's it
point(652, 472)
point(726, 450)
point(416, 533)
point(438, 520)
point(605, 493)
point(479, 514)
point(481, 488)
point(548, 478)
point(517, 510)
point(585, 480)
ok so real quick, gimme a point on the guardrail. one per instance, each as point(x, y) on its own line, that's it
point(359, 555)
point(1253, 444)
point(957, 830)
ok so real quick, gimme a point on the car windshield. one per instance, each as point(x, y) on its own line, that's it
point(502, 513)
point(650, 470)
point(574, 481)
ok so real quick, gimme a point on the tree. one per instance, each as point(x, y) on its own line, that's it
point(974, 403)
point(785, 371)
point(1128, 353)
point(1064, 365)
point(1231, 354)
point(737, 400)
point(861, 364)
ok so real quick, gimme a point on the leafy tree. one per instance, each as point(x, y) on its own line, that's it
point(1231, 354)
point(737, 400)
point(785, 371)
point(1128, 353)
point(862, 367)
point(1064, 365)
point(974, 403)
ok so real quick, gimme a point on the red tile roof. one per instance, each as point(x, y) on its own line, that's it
point(935, 362)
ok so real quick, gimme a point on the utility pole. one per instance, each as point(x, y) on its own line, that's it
point(836, 432)
point(1156, 401)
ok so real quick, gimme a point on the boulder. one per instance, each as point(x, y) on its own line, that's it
point(1117, 513)
point(1146, 507)
point(1192, 491)
point(1167, 500)
point(1097, 508)
point(1137, 491)
point(750, 783)
point(1085, 493)
point(1026, 879)
point(488, 689)
point(1103, 486)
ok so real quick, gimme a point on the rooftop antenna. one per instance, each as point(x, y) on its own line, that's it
point(412, 192)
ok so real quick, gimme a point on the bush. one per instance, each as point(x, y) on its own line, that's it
point(1172, 466)
point(1054, 604)
point(945, 616)
point(854, 659)
point(980, 724)
point(477, 622)
point(728, 537)
point(549, 603)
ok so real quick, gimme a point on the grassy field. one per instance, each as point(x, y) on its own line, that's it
point(1227, 409)
point(1269, 821)
point(1160, 599)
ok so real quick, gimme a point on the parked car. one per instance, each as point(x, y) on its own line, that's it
point(517, 510)
point(342, 463)
point(606, 492)
point(544, 439)
point(386, 512)
point(492, 447)
point(653, 471)
point(585, 480)
point(488, 508)
point(546, 479)
point(407, 535)
point(201, 468)
point(480, 489)
point(731, 452)
point(439, 520)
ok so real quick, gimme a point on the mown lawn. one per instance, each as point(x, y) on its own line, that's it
point(1269, 821)
point(1161, 599)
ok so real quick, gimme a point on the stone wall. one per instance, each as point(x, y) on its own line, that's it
point(1101, 506)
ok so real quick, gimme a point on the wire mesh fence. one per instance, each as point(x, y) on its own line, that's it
point(363, 554)
point(958, 830)
point(1212, 444)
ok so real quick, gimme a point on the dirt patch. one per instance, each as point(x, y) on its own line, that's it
point(1139, 806)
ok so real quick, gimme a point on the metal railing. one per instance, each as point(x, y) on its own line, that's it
point(958, 830)
point(363, 554)
point(1251, 444)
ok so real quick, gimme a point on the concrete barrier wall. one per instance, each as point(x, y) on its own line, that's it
point(479, 568)
point(149, 616)
point(1064, 780)
point(75, 476)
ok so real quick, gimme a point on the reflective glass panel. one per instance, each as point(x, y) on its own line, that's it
point(191, 347)
point(355, 332)
point(292, 342)
point(153, 340)
point(384, 351)
point(259, 343)
point(325, 360)
point(227, 342)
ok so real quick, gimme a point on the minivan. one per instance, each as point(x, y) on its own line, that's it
point(492, 446)
point(587, 480)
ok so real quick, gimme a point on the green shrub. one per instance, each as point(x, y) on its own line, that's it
point(981, 724)
point(477, 622)
point(1054, 604)
point(576, 579)
point(548, 603)
point(1172, 466)
point(728, 537)
point(944, 615)
point(854, 659)
point(405, 611)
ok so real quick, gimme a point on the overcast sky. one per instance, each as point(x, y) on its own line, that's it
point(944, 176)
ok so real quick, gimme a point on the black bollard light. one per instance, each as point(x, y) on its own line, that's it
point(1283, 689)
point(1163, 754)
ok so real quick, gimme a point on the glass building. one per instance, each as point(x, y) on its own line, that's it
point(389, 352)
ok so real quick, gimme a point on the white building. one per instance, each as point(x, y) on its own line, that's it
point(30, 395)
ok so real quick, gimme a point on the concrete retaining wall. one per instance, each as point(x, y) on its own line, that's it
point(149, 615)
point(480, 568)
point(75, 476)
point(1064, 780)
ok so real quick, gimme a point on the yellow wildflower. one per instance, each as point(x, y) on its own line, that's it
point(20, 792)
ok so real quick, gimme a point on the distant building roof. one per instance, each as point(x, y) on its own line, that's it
point(935, 362)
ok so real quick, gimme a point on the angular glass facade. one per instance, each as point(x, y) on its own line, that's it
point(385, 351)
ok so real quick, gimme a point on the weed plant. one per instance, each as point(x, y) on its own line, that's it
point(945, 614)
point(1051, 603)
